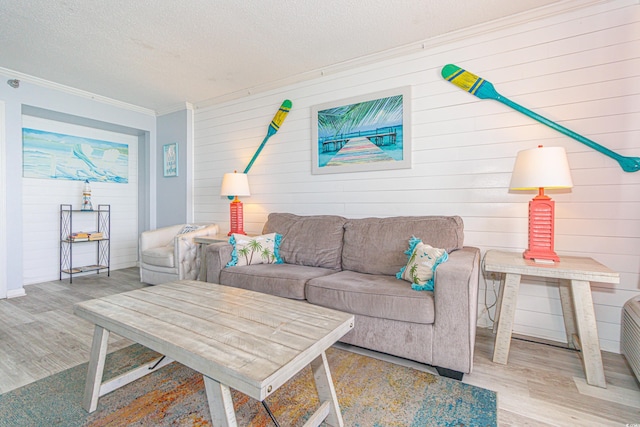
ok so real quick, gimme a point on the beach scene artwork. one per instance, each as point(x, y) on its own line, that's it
point(51, 155)
point(363, 135)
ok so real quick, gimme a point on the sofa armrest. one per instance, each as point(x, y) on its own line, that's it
point(456, 309)
point(186, 251)
point(217, 256)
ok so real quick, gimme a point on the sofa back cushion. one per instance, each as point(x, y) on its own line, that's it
point(378, 245)
point(314, 241)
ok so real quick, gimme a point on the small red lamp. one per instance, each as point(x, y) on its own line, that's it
point(235, 184)
point(537, 169)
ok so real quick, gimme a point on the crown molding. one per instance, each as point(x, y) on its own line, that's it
point(74, 91)
point(177, 107)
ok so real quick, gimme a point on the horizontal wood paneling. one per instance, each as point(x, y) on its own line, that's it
point(580, 68)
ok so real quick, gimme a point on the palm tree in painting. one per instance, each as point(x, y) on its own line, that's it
point(348, 118)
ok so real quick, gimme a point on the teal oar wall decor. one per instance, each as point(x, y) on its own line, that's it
point(485, 90)
point(273, 128)
point(275, 124)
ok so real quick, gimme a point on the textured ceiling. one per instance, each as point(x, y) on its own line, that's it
point(161, 53)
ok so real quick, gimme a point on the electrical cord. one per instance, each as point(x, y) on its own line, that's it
point(495, 294)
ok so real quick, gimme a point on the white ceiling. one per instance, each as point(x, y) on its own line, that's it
point(161, 53)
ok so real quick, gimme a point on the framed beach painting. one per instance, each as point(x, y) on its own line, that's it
point(363, 133)
point(170, 159)
point(51, 155)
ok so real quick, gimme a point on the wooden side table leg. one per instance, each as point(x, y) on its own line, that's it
point(588, 333)
point(566, 300)
point(326, 390)
point(95, 369)
point(498, 304)
point(507, 315)
point(202, 254)
point(220, 403)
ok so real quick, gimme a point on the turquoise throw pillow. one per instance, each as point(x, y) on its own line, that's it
point(255, 250)
point(421, 266)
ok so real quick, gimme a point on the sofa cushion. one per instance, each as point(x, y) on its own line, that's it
point(255, 250)
point(377, 245)
point(314, 241)
point(161, 256)
point(421, 266)
point(283, 280)
point(372, 295)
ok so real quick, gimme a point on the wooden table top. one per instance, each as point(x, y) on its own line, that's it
point(212, 239)
point(569, 267)
point(250, 341)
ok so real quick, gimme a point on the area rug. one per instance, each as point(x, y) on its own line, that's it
point(371, 393)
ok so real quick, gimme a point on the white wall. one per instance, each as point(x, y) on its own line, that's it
point(580, 68)
point(41, 210)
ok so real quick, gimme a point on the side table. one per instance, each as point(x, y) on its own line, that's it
point(202, 242)
point(574, 275)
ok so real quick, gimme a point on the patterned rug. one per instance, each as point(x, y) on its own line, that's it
point(371, 393)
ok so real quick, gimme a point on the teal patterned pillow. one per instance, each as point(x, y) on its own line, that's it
point(420, 270)
point(255, 250)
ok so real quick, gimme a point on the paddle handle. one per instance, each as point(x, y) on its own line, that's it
point(484, 89)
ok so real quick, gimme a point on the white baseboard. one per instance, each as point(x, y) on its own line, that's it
point(14, 293)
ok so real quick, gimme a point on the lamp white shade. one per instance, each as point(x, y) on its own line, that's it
point(235, 184)
point(541, 167)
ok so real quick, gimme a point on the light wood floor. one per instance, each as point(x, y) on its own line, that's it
point(542, 385)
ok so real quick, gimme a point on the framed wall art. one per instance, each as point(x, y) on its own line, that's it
point(363, 133)
point(170, 159)
point(53, 155)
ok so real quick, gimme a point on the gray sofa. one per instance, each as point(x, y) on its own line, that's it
point(350, 265)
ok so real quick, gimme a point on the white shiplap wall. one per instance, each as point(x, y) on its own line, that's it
point(580, 68)
point(41, 209)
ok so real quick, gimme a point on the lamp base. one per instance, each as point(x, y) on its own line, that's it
point(541, 230)
point(236, 219)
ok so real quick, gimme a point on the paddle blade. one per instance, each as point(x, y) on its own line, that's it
point(279, 117)
point(470, 82)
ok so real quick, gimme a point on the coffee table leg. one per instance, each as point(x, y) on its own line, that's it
point(326, 390)
point(220, 403)
point(96, 367)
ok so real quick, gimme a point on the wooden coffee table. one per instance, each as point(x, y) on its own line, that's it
point(235, 338)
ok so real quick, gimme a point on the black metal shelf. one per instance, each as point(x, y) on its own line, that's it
point(103, 256)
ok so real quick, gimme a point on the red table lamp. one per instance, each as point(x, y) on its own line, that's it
point(235, 184)
point(537, 169)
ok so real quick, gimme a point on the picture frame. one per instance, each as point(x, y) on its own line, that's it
point(363, 133)
point(52, 155)
point(170, 159)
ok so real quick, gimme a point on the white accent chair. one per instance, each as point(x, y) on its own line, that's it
point(169, 253)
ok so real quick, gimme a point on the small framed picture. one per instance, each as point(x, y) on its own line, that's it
point(170, 159)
